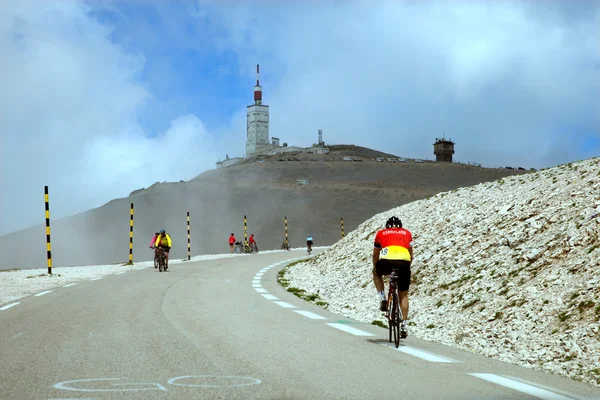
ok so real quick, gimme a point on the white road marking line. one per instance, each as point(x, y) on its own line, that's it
point(284, 304)
point(255, 280)
point(260, 290)
point(270, 297)
point(349, 329)
point(6, 307)
point(43, 293)
point(95, 279)
point(309, 314)
point(16, 336)
point(548, 388)
point(256, 285)
point(424, 355)
point(521, 387)
point(120, 273)
point(70, 284)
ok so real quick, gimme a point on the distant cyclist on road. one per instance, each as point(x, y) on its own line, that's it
point(309, 243)
point(231, 242)
point(252, 242)
point(393, 249)
point(152, 242)
point(163, 241)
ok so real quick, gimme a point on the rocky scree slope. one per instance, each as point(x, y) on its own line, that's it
point(508, 269)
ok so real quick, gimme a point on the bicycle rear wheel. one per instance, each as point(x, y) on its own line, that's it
point(161, 262)
point(396, 319)
point(390, 317)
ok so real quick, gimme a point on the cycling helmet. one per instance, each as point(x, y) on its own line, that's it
point(157, 233)
point(162, 231)
point(393, 222)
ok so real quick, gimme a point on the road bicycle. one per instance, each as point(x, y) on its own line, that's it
point(245, 248)
point(155, 257)
point(162, 262)
point(393, 314)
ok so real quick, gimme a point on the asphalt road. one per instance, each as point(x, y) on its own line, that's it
point(224, 329)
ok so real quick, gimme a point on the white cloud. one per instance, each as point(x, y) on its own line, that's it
point(509, 81)
point(69, 117)
point(514, 83)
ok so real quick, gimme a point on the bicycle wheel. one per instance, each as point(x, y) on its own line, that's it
point(396, 319)
point(390, 315)
point(161, 262)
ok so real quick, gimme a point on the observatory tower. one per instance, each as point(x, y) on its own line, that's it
point(443, 149)
point(257, 121)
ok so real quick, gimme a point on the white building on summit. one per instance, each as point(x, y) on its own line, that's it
point(257, 122)
point(257, 133)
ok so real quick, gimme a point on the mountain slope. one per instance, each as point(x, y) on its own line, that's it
point(218, 200)
point(508, 269)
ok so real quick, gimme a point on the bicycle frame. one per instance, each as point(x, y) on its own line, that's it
point(394, 316)
point(162, 258)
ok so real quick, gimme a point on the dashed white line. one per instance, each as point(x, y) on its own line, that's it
point(6, 307)
point(120, 273)
point(256, 285)
point(70, 284)
point(284, 304)
point(95, 279)
point(309, 314)
point(424, 355)
point(521, 387)
point(43, 293)
point(269, 297)
point(260, 290)
point(349, 329)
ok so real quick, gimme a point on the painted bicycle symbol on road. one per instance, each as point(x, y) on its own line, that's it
point(195, 381)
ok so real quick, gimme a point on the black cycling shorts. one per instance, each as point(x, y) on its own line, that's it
point(384, 267)
point(309, 242)
point(166, 249)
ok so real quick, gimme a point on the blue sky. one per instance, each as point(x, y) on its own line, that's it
point(95, 92)
point(197, 78)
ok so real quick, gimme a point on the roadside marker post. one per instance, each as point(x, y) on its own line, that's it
point(48, 246)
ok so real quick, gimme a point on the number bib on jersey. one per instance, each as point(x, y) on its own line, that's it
point(394, 253)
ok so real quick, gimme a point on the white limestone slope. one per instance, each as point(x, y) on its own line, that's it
point(508, 269)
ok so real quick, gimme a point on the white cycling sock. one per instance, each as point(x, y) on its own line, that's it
point(382, 295)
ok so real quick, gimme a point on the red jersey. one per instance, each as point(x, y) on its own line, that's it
point(394, 243)
point(231, 239)
point(251, 240)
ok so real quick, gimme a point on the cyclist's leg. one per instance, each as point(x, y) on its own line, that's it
point(166, 250)
point(403, 285)
point(381, 268)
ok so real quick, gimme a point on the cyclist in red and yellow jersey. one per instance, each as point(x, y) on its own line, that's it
point(393, 249)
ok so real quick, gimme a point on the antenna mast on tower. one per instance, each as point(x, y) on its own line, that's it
point(257, 88)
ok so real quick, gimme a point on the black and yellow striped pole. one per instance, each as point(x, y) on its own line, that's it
point(342, 219)
point(48, 247)
point(131, 235)
point(286, 231)
point(245, 234)
point(188, 226)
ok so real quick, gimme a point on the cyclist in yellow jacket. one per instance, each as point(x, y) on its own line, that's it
point(163, 240)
